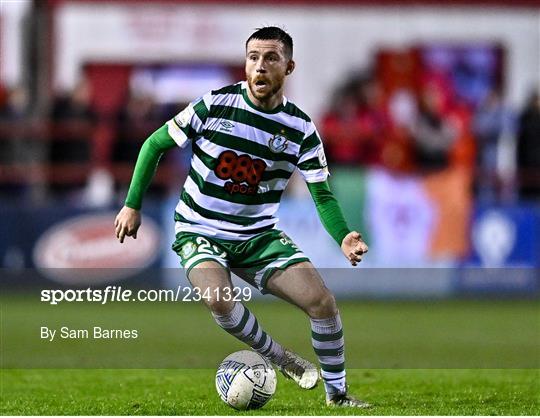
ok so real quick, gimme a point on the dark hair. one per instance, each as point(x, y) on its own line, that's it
point(274, 33)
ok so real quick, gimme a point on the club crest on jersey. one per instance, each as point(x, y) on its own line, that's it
point(278, 143)
point(188, 249)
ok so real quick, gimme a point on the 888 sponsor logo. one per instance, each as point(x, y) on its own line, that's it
point(245, 173)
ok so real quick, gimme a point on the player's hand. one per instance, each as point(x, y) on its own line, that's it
point(353, 247)
point(127, 223)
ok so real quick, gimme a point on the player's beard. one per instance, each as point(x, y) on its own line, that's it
point(273, 87)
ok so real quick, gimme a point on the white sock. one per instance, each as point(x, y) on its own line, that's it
point(329, 345)
point(241, 323)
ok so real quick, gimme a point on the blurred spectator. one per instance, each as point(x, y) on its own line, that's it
point(73, 118)
point(136, 120)
point(354, 128)
point(397, 153)
point(529, 148)
point(73, 123)
point(340, 129)
point(373, 120)
point(15, 105)
point(15, 108)
point(76, 106)
point(434, 133)
point(3, 97)
point(20, 145)
point(492, 121)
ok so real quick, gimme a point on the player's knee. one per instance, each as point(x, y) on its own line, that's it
point(324, 306)
point(219, 306)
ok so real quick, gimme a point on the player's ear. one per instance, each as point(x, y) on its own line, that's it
point(290, 67)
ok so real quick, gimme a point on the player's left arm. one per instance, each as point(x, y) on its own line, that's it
point(314, 168)
point(331, 216)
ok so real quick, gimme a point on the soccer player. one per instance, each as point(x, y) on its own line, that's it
point(247, 139)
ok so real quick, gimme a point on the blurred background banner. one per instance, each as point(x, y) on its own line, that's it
point(57, 241)
point(429, 114)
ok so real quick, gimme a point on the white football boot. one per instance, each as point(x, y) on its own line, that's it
point(302, 371)
point(343, 400)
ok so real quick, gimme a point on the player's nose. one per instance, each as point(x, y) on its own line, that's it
point(259, 67)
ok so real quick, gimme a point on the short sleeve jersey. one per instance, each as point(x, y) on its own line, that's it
point(241, 163)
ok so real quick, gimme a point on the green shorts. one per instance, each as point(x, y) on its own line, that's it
point(253, 260)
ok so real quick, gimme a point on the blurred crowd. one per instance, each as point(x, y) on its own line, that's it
point(429, 129)
point(76, 152)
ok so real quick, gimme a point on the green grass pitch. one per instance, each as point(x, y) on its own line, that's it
point(406, 358)
point(192, 392)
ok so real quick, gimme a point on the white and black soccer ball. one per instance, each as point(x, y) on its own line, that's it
point(245, 380)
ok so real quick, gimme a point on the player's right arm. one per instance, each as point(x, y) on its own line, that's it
point(178, 131)
point(128, 220)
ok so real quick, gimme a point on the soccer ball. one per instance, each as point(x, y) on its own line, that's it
point(245, 380)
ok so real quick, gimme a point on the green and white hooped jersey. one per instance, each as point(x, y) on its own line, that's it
point(242, 160)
